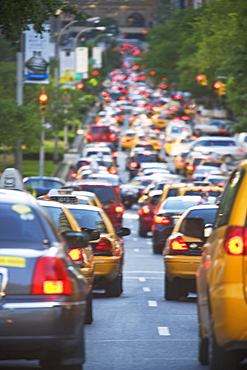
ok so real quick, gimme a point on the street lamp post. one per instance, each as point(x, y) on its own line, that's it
point(100, 28)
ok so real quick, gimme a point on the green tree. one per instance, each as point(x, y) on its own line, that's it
point(15, 16)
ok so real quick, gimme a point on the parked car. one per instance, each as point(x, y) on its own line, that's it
point(183, 250)
point(221, 280)
point(43, 292)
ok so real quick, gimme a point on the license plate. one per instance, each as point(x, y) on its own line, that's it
point(12, 261)
point(103, 137)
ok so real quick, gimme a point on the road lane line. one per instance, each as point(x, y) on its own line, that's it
point(136, 250)
point(142, 279)
point(152, 304)
point(146, 289)
point(163, 330)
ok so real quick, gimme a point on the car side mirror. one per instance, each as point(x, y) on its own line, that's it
point(76, 239)
point(123, 231)
point(94, 235)
point(193, 226)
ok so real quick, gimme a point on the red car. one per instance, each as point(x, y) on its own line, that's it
point(108, 194)
point(146, 212)
point(101, 133)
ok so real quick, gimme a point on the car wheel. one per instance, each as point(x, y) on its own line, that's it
point(157, 249)
point(114, 288)
point(172, 291)
point(142, 232)
point(221, 359)
point(202, 349)
point(89, 309)
point(228, 159)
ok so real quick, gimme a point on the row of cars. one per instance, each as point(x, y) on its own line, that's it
point(55, 249)
point(204, 250)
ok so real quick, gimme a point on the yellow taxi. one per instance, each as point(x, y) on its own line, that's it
point(108, 249)
point(161, 119)
point(221, 280)
point(191, 164)
point(179, 162)
point(183, 249)
point(169, 190)
point(179, 142)
point(214, 191)
point(128, 140)
point(154, 141)
point(83, 257)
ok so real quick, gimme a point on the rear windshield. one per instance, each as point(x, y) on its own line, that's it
point(100, 129)
point(207, 214)
point(177, 205)
point(172, 192)
point(19, 222)
point(88, 219)
point(105, 194)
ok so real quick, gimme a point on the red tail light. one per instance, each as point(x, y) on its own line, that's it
point(133, 164)
point(161, 220)
point(73, 175)
point(103, 246)
point(190, 167)
point(50, 277)
point(112, 137)
point(119, 209)
point(114, 154)
point(235, 240)
point(178, 245)
point(75, 254)
point(241, 150)
point(145, 210)
point(88, 136)
point(113, 171)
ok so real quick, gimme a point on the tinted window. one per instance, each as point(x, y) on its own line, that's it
point(207, 214)
point(59, 218)
point(228, 198)
point(104, 193)
point(19, 222)
point(89, 219)
point(95, 130)
point(172, 192)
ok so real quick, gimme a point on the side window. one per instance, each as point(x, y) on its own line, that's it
point(228, 198)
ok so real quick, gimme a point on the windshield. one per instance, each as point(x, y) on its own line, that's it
point(177, 205)
point(88, 219)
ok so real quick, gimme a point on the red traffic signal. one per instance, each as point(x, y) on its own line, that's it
point(95, 73)
point(80, 85)
point(217, 85)
point(43, 98)
point(200, 77)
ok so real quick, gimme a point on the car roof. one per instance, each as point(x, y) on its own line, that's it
point(92, 182)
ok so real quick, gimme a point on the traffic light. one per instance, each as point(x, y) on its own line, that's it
point(95, 73)
point(43, 99)
point(222, 89)
point(80, 85)
point(218, 87)
point(202, 80)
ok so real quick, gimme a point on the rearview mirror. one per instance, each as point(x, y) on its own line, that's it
point(123, 231)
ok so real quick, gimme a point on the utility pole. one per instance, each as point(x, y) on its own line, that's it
point(19, 99)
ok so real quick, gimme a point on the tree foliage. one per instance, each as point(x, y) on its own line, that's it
point(15, 16)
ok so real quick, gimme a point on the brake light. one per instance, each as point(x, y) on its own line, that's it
point(114, 154)
point(119, 209)
point(112, 137)
point(190, 167)
point(178, 245)
point(241, 150)
point(88, 136)
point(75, 254)
point(103, 246)
point(161, 220)
point(113, 171)
point(145, 210)
point(50, 277)
point(235, 240)
point(133, 164)
point(73, 175)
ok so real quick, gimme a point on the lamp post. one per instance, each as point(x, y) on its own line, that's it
point(101, 36)
point(100, 28)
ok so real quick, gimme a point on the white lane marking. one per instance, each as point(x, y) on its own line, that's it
point(142, 280)
point(136, 250)
point(149, 243)
point(134, 239)
point(152, 304)
point(163, 330)
point(130, 216)
point(144, 272)
point(146, 289)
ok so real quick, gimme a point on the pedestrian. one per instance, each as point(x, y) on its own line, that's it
point(204, 198)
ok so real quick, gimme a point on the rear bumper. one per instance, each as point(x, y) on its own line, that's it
point(33, 327)
point(184, 267)
point(107, 267)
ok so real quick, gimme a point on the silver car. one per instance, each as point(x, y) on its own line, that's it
point(227, 148)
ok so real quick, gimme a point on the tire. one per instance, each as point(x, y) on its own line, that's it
point(172, 292)
point(202, 349)
point(228, 159)
point(89, 309)
point(219, 359)
point(114, 288)
point(157, 249)
point(142, 233)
